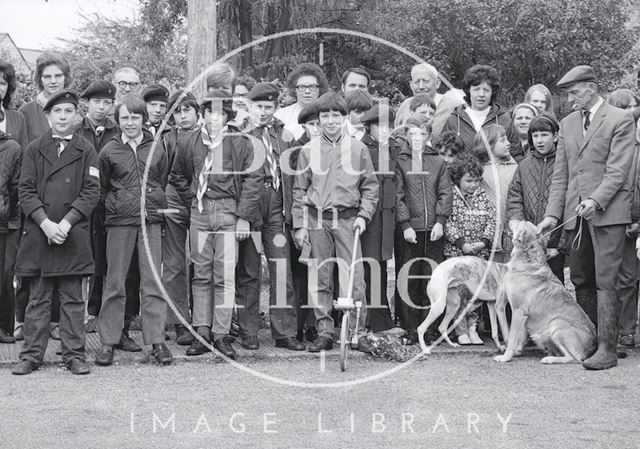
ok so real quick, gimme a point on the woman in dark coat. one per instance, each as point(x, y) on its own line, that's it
point(13, 123)
point(377, 241)
point(58, 191)
point(481, 85)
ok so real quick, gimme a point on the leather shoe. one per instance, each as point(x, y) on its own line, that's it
point(250, 342)
point(162, 354)
point(18, 332)
point(225, 348)
point(197, 348)
point(321, 344)
point(24, 367)
point(364, 345)
point(104, 357)
point(78, 367)
point(183, 336)
point(311, 334)
point(127, 344)
point(411, 338)
point(6, 338)
point(290, 343)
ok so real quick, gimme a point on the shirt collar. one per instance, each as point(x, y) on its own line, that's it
point(595, 107)
point(137, 140)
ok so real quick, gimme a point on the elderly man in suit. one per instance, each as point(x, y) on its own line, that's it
point(590, 181)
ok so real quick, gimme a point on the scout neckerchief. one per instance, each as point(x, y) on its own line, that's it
point(207, 167)
point(270, 156)
point(62, 142)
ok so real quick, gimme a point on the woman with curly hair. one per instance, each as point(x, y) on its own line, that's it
point(305, 83)
point(52, 74)
point(13, 123)
point(481, 85)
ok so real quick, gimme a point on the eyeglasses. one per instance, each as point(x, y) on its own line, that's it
point(132, 85)
point(311, 87)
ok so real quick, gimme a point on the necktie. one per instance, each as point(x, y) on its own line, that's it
point(270, 158)
point(587, 121)
point(203, 177)
point(62, 143)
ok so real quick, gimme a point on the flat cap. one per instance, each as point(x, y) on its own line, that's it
point(308, 113)
point(99, 89)
point(578, 74)
point(155, 92)
point(63, 96)
point(264, 92)
point(376, 114)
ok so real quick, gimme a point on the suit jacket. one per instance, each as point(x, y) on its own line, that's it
point(595, 166)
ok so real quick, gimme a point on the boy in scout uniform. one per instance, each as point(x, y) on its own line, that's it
point(58, 190)
point(275, 209)
point(97, 128)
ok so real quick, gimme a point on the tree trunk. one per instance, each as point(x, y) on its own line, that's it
point(201, 46)
point(246, 32)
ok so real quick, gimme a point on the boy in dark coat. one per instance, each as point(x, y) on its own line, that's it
point(98, 129)
point(123, 162)
point(58, 191)
point(424, 198)
point(377, 242)
point(529, 189)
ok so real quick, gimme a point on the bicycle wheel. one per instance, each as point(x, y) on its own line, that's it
point(344, 340)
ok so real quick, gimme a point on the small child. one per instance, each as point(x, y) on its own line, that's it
point(449, 146)
point(470, 229)
point(335, 192)
point(496, 178)
point(529, 188)
point(423, 204)
point(358, 102)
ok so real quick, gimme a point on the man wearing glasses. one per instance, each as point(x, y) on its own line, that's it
point(306, 83)
point(127, 83)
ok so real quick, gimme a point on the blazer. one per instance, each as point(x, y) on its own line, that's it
point(595, 165)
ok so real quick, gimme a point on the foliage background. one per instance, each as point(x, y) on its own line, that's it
point(528, 42)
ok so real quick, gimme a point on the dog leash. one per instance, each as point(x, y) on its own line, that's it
point(577, 240)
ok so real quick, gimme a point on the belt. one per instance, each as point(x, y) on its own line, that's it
point(329, 214)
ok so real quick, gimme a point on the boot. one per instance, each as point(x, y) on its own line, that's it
point(608, 311)
point(587, 298)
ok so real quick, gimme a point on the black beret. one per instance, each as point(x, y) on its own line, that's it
point(308, 113)
point(376, 114)
point(218, 96)
point(578, 74)
point(7, 68)
point(264, 92)
point(63, 96)
point(100, 89)
point(155, 92)
point(188, 97)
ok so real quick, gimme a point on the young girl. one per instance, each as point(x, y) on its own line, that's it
point(470, 228)
point(498, 170)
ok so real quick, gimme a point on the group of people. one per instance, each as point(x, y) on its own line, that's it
point(166, 202)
